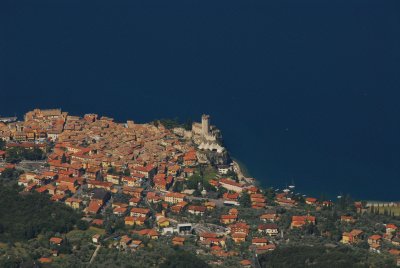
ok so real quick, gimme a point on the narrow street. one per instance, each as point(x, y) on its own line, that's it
point(94, 254)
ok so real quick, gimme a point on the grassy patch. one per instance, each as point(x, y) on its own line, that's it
point(209, 173)
point(97, 230)
point(77, 235)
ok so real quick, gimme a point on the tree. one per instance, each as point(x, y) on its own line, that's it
point(245, 200)
point(127, 172)
point(270, 194)
point(178, 187)
point(183, 259)
point(82, 225)
point(2, 144)
point(63, 159)
point(11, 173)
point(26, 216)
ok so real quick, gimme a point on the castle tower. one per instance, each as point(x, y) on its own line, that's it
point(205, 125)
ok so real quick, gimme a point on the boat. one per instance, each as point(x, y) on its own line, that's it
point(292, 186)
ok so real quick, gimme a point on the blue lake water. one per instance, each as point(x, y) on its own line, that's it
point(304, 91)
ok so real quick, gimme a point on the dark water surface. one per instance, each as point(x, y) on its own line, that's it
point(302, 90)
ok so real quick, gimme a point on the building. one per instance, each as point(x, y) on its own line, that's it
point(231, 185)
point(174, 198)
point(352, 237)
point(269, 229)
point(300, 221)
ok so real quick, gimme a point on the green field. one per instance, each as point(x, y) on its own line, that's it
point(75, 235)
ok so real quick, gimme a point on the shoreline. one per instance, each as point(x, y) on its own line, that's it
point(241, 167)
point(243, 174)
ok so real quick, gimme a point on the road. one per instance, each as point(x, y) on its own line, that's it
point(94, 254)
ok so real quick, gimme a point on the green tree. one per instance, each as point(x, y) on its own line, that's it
point(82, 225)
point(245, 200)
point(183, 259)
point(2, 144)
point(63, 159)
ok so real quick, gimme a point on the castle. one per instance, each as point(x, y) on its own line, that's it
point(207, 137)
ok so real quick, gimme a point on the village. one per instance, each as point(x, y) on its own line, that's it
point(137, 184)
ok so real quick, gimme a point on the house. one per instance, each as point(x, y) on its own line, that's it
point(223, 169)
point(311, 200)
point(352, 237)
point(204, 236)
point(245, 263)
point(174, 170)
point(188, 172)
point(375, 248)
point(153, 197)
point(74, 202)
point(148, 171)
point(269, 216)
point(257, 201)
point(259, 242)
point(45, 260)
point(375, 239)
point(197, 210)
point(233, 211)
point(269, 229)
point(227, 219)
point(391, 228)
point(285, 202)
point(139, 221)
point(396, 241)
point(174, 198)
point(300, 221)
point(151, 233)
point(230, 196)
point(134, 201)
point(96, 238)
point(162, 222)
point(264, 249)
point(178, 241)
point(114, 179)
point(140, 212)
point(190, 158)
point(56, 241)
point(120, 211)
point(94, 207)
point(347, 219)
point(178, 207)
point(327, 203)
point(125, 241)
point(130, 220)
point(135, 244)
point(252, 190)
point(394, 252)
point(239, 227)
point(239, 237)
point(99, 184)
point(231, 185)
point(135, 180)
point(98, 222)
point(210, 205)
